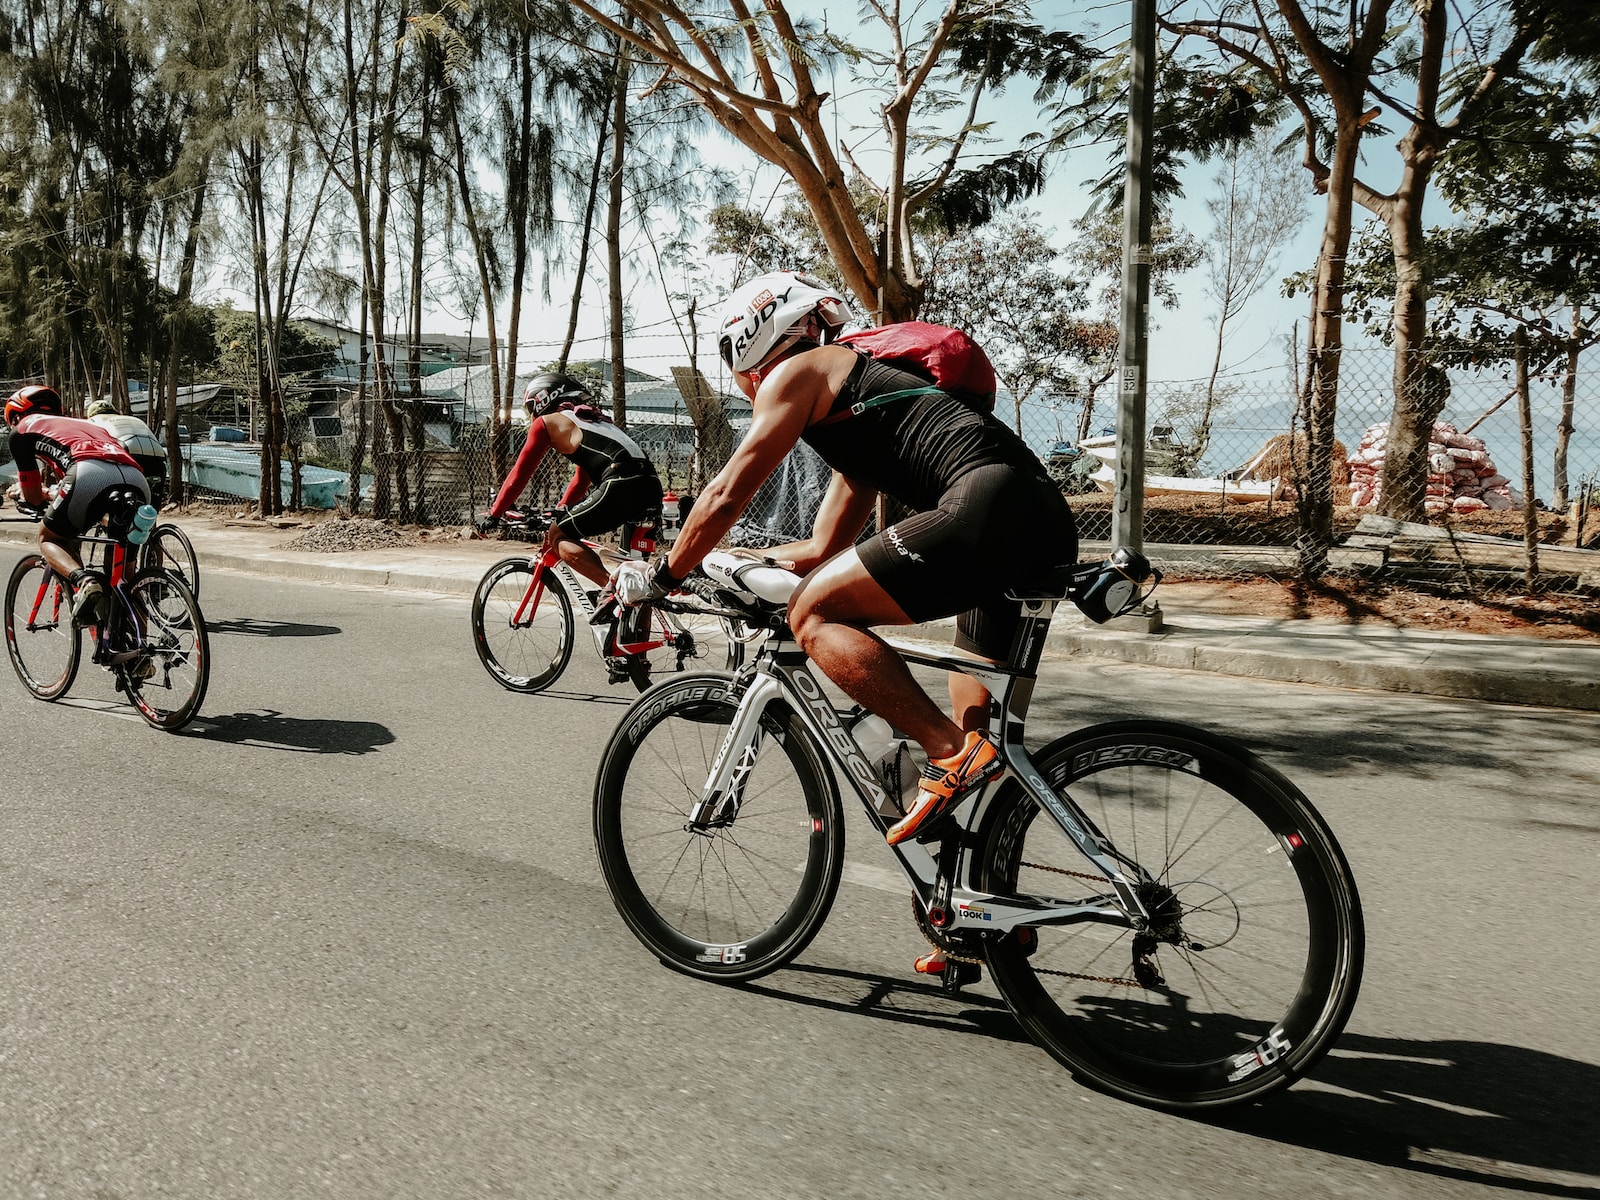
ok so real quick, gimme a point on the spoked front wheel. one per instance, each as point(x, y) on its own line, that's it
point(167, 679)
point(1253, 959)
point(169, 549)
point(525, 646)
point(689, 640)
point(40, 637)
point(739, 898)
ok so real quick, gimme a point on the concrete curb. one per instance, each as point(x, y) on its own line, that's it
point(1178, 648)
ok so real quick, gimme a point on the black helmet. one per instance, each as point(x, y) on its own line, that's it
point(550, 390)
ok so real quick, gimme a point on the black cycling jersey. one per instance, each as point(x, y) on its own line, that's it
point(988, 518)
point(606, 450)
point(912, 449)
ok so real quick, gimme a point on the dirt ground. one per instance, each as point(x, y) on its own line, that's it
point(1357, 601)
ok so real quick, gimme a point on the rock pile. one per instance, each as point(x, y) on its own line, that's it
point(359, 533)
point(1461, 475)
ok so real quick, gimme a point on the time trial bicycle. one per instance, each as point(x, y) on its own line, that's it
point(1166, 914)
point(523, 625)
point(152, 638)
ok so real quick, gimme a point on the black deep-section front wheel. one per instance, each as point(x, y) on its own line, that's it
point(167, 679)
point(525, 647)
point(1253, 960)
point(742, 897)
point(44, 645)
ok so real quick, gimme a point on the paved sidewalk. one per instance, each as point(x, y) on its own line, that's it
point(1509, 669)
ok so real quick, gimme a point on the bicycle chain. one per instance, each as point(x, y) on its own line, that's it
point(1114, 980)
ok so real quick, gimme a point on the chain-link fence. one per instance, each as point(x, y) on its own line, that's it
point(1221, 472)
point(1220, 463)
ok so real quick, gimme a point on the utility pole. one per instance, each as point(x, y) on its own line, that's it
point(1127, 516)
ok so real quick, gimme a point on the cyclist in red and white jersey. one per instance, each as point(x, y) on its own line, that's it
point(614, 482)
point(95, 470)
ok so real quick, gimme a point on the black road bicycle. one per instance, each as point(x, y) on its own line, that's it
point(153, 638)
point(524, 629)
point(1166, 914)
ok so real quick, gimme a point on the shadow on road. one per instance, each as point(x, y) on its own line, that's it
point(887, 999)
point(1474, 1112)
point(1477, 1112)
point(258, 628)
point(274, 731)
point(619, 698)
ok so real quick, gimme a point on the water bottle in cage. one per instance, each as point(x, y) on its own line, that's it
point(144, 520)
point(894, 759)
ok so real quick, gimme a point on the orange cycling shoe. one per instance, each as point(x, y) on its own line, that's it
point(931, 964)
point(943, 780)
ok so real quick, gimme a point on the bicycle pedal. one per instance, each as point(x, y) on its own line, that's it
point(958, 975)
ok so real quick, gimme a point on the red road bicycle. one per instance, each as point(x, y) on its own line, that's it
point(152, 640)
point(523, 624)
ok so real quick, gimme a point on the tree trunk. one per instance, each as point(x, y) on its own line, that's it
point(1419, 393)
point(480, 252)
point(1320, 400)
point(191, 251)
point(619, 146)
point(1569, 395)
point(588, 229)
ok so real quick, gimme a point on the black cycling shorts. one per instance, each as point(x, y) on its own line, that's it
point(84, 495)
point(996, 528)
point(614, 501)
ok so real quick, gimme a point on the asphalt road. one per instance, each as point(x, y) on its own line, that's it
point(347, 938)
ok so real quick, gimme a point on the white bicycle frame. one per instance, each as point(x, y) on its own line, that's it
point(782, 672)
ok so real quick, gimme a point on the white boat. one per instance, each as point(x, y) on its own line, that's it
point(1223, 488)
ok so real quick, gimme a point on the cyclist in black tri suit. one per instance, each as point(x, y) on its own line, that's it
point(614, 482)
point(95, 472)
point(987, 519)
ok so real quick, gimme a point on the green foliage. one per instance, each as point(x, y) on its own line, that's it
point(303, 356)
point(1524, 249)
point(587, 373)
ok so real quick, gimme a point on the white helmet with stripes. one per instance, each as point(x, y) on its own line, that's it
point(772, 312)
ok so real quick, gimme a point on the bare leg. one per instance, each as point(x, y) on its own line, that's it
point(60, 554)
point(581, 559)
point(830, 613)
point(969, 700)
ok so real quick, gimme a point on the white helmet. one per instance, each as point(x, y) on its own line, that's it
point(774, 311)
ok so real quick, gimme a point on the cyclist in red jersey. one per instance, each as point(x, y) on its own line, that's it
point(987, 518)
point(95, 472)
point(614, 482)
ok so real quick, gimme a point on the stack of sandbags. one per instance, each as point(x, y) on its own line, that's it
point(1461, 475)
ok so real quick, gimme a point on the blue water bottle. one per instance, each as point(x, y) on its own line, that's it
point(143, 521)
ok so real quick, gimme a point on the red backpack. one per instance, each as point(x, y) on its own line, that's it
point(955, 362)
